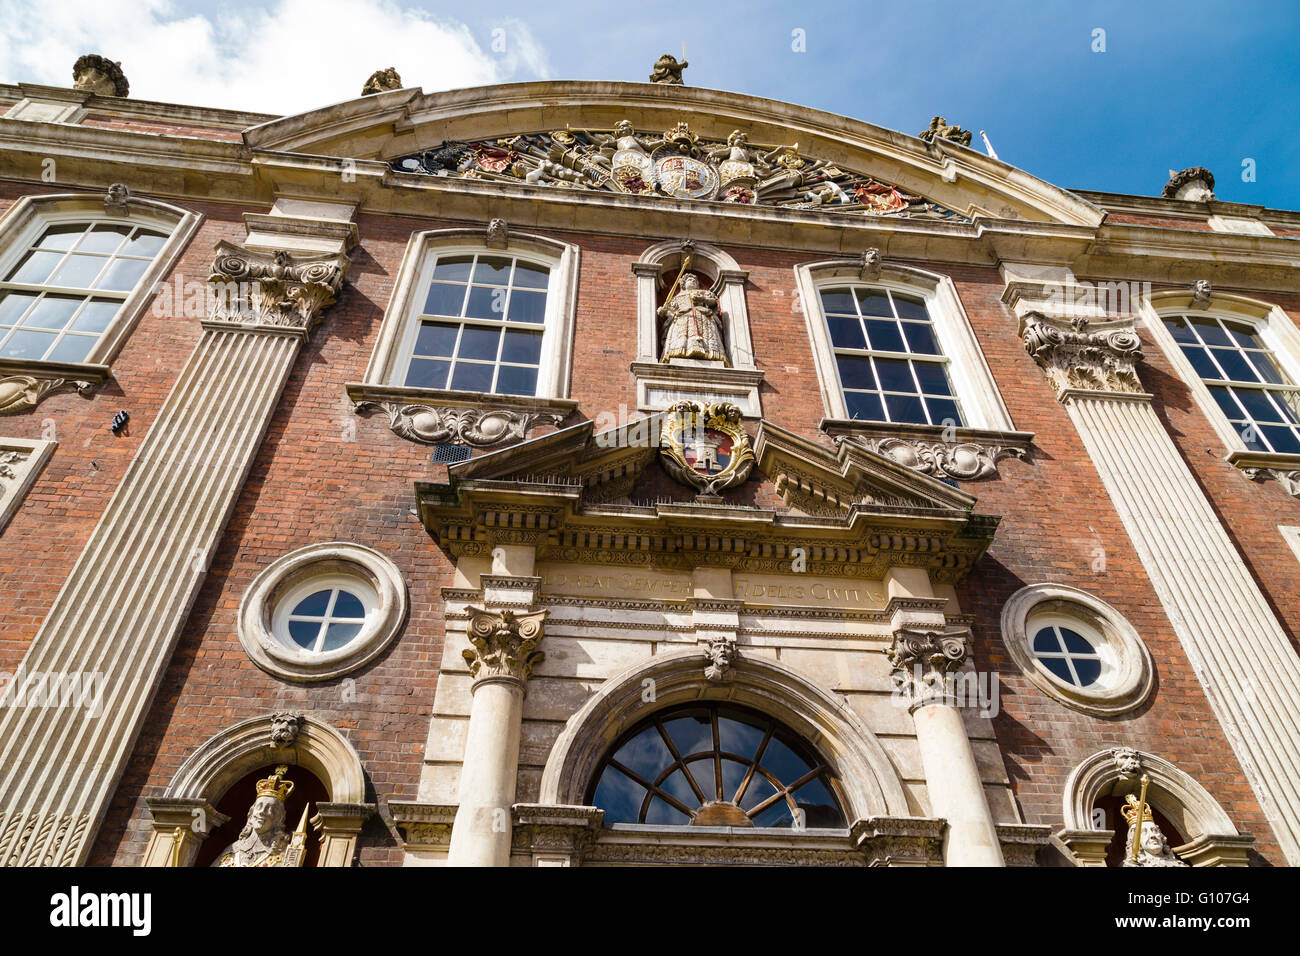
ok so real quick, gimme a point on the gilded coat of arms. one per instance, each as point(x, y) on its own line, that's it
point(705, 446)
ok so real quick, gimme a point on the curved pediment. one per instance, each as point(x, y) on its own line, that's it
point(680, 142)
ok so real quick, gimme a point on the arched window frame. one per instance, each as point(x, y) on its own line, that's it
point(972, 381)
point(29, 216)
point(401, 319)
point(1270, 323)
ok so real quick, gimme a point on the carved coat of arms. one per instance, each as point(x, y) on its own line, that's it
point(705, 446)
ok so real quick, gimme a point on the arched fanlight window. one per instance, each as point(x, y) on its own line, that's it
point(716, 765)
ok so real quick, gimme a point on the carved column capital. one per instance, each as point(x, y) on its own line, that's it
point(275, 290)
point(504, 644)
point(1076, 355)
point(922, 661)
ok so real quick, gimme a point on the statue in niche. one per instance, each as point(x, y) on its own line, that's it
point(264, 842)
point(1153, 847)
point(692, 324)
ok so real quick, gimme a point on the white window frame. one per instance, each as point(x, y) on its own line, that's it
point(31, 215)
point(400, 325)
point(1273, 327)
point(972, 381)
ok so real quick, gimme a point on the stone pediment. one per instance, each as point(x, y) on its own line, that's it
point(852, 512)
point(564, 135)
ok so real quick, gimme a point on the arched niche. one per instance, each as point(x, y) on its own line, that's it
point(186, 812)
point(870, 784)
point(1212, 838)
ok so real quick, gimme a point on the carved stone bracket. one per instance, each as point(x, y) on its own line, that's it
point(900, 841)
point(1073, 357)
point(274, 289)
point(922, 662)
point(498, 234)
point(962, 461)
point(478, 427)
point(1202, 294)
point(870, 264)
point(21, 392)
point(1260, 466)
point(423, 826)
point(1021, 842)
point(555, 835)
point(117, 200)
point(504, 644)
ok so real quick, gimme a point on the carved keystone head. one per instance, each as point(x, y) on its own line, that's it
point(285, 727)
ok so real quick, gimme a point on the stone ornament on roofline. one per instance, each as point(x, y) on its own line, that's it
point(97, 74)
point(1193, 184)
point(1073, 357)
point(941, 129)
point(381, 81)
point(668, 70)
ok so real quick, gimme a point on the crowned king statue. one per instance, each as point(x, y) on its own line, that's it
point(264, 841)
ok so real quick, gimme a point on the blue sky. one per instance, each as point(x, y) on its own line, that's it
point(1207, 83)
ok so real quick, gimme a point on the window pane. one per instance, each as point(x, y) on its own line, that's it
point(1242, 336)
point(1201, 362)
point(436, 338)
point(348, 604)
point(314, 605)
point(144, 243)
point(35, 267)
point(96, 316)
point(23, 343)
point(427, 373)
point(1076, 643)
point(818, 806)
point(855, 372)
point(645, 751)
point(444, 299)
point(530, 276)
point(61, 237)
point(690, 734)
point(838, 300)
point(104, 239)
point(1225, 401)
point(777, 815)
point(944, 412)
point(523, 347)
point(339, 634)
point(1234, 364)
point(492, 269)
point(739, 738)
point(1211, 332)
point(1267, 371)
point(477, 343)
point(123, 274)
point(528, 307)
point(13, 305)
point(675, 785)
point(895, 376)
point(1088, 671)
point(1257, 405)
point(1180, 330)
point(1282, 439)
point(702, 771)
point(846, 333)
point(884, 336)
point(873, 303)
point(486, 303)
point(72, 348)
point(304, 633)
point(933, 378)
point(921, 338)
point(909, 308)
point(759, 789)
point(78, 271)
point(619, 796)
point(733, 775)
point(470, 377)
point(52, 312)
point(517, 380)
point(1058, 667)
point(1045, 641)
point(865, 406)
point(661, 814)
point(453, 268)
point(784, 763)
point(905, 408)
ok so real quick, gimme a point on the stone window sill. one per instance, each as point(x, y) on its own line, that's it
point(959, 454)
point(433, 416)
point(24, 382)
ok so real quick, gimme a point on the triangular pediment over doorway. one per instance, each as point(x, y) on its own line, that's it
point(569, 493)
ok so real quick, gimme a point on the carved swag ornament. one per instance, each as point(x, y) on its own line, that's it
point(478, 427)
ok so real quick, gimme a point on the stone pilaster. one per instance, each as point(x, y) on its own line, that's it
point(924, 662)
point(1236, 646)
point(116, 621)
point(502, 654)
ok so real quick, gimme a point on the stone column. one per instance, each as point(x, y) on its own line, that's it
point(924, 662)
point(1234, 642)
point(502, 656)
point(115, 622)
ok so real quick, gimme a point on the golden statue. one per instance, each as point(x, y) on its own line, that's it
point(1146, 844)
point(264, 842)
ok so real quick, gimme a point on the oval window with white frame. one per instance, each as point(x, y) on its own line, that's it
point(1077, 648)
point(322, 611)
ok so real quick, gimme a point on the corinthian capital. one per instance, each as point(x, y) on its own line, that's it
point(504, 644)
point(1073, 355)
point(922, 662)
point(275, 289)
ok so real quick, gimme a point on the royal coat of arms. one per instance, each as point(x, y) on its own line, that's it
point(705, 446)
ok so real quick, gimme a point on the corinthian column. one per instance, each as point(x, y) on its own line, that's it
point(924, 663)
point(501, 658)
point(114, 625)
point(1235, 644)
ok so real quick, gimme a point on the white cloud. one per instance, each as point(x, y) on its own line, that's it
point(286, 57)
